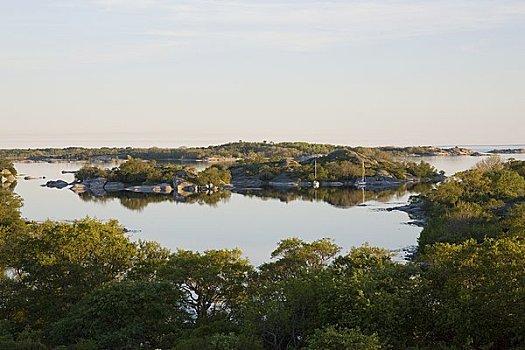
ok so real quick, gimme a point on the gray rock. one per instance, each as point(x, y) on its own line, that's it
point(96, 183)
point(283, 184)
point(114, 186)
point(57, 184)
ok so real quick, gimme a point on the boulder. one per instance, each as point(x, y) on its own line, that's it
point(166, 188)
point(56, 184)
point(96, 183)
point(184, 186)
point(114, 186)
point(78, 188)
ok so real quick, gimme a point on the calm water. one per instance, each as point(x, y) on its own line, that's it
point(253, 222)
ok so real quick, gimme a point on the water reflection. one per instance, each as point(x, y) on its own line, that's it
point(139, 201)
point(337, 197)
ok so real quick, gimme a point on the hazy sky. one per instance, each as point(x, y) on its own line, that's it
point(173, 72)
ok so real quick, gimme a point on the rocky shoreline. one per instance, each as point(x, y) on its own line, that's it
point(415, 212)
point(100, 186)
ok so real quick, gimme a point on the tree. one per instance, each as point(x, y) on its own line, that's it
point(477, 291)
point(365, 289)
point(90, 172)
point(148, 261)
point(214, 175)
point(135, 171)
point(124, 315)
point(52, 265)
point(283, 304)
point(10, 205)
point(332, 338)
point(213, 283)
point(295, 256)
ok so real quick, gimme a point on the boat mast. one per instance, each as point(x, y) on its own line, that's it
point(363, 165)
point(315, 168)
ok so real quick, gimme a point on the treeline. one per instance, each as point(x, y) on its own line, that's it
point(137, 172)
point(235, 150)
point(85, 285)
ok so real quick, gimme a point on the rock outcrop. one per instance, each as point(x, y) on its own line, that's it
point(96, 186)
point(57, 184)
point(114, 186)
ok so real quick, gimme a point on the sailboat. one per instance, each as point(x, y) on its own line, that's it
point(361, 183)
point(315, 183)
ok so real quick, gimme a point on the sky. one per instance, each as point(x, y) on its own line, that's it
point(198, 72)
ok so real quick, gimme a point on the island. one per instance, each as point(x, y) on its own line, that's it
point(341, 168)
point(228, 152)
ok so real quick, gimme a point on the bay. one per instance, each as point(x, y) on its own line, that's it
point(254, 222)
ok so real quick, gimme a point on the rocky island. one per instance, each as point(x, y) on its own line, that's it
point(337, 169)
point(508, 151)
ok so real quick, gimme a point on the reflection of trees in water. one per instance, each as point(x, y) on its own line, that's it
point(211, 198)
point(139, 201)
point(129, 200)
point(338, 197)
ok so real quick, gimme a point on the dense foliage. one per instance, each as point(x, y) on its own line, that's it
point(486, 201)
point(137, 172)
point(340, 165)
point(7, 165)
point(85, 285)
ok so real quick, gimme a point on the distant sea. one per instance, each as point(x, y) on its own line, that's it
point(123, 139)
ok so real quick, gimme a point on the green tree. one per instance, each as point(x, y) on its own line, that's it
point(52, 265)
point(295, 256)
point(332, 338)
point(213, 283)
point(283, 304)
point(90, 172)
point(10, 205)
point(477, 291)
point(148, 261)
point(214, 175)
point(365, 289)
point(124, 315)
